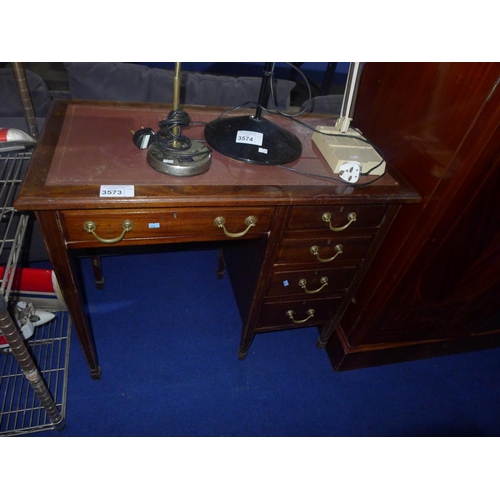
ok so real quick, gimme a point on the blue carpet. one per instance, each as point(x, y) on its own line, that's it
point(167, 333)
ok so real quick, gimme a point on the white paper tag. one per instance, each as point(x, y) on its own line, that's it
point(249, 137)
point(107, 191)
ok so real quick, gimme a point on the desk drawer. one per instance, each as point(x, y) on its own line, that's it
point(304, 313)
point(156, 225)
point(307, 283)
point(323, 251)
point(339, 217)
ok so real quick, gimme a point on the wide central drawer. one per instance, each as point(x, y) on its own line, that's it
point(122, 227)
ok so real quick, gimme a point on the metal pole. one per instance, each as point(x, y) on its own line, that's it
point(30, 371)
point(176, 98)
point(24, 92)
point(263, 89)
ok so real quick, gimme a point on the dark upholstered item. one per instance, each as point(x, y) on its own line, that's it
point(217, 90)
point(138, 83)
point(119, 82)
point(10, 102)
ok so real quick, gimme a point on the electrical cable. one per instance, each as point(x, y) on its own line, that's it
point(359, 138)
point(170, 133)
point(171, 140)
point(319, 176)
point(328, 178)
point(293, 117)
point(273, 94)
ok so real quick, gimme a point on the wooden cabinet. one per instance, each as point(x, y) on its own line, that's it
point(434, 286)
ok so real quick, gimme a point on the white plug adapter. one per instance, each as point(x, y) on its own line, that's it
point(350, 171)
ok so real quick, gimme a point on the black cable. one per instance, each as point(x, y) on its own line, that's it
point(319, 176)
point(328, 178)
point(171, 140)
point(273, 94)
point(244, 105)
point(359, 138)
point(293, 117)
point(273, 97)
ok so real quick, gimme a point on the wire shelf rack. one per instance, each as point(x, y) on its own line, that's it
point(21, 411)
point(33, 374)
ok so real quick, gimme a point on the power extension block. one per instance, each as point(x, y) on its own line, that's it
point(338, 150)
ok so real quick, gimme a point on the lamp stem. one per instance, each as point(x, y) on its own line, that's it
point(176, 98)
point(263, 89)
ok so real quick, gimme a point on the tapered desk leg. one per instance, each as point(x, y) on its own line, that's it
point(64, 268)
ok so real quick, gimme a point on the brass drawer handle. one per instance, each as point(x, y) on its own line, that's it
point(290, 314)
point(323, 281)
point(327, 217)
point(90, 227)
point(315, 251)
point(249, 221)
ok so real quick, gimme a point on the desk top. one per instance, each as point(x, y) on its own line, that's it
point(86, 144)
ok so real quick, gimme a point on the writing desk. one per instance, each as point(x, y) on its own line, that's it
point(295, 247)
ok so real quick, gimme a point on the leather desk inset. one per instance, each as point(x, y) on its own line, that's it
point(87, 144)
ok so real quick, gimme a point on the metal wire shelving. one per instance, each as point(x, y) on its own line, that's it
point(33, 374)
point(21, 409)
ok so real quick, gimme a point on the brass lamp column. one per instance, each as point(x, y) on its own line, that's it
point(172, 152)
point(176, 96)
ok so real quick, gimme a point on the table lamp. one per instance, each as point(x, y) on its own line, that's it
point(345, 147)
point(172, 152)
point(254, 139)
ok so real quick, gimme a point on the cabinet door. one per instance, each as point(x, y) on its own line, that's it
point(454, 286)
point(437, 273)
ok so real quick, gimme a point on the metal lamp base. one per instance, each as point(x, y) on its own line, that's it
point(188, 162)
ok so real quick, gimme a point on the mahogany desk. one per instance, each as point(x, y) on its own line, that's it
point(298, 265)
